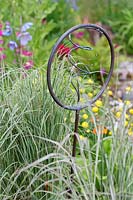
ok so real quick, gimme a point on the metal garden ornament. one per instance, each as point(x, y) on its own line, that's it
point(77, 67)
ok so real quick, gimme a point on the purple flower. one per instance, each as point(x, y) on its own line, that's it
point(24, 38)
point(8, 30)
point(102, 71)
point(26, 26)
point(12, 45)
point(1, 41)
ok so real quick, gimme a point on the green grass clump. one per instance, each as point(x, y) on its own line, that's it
point(35, 148)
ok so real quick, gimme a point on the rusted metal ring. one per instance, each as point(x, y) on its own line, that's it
point(54, 50)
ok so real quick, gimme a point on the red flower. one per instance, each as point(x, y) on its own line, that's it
point(63, 50)
point(116, 46)
point(44, 21)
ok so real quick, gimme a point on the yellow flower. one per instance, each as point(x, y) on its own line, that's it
point(118, 114)
point(84, 125)
point(88, 131)
point(99, 103)
point(82, 100)
point(131, 111)
point(85, 116)
point(90, 81)
point(90, 95)
point(126, 116)
point(120, 109)
point(126, 123)
point(131, 124)
point(82, 137)
point(128, 89)
point(110, 133)
point(82, 90)
point(127, 102)
point(130, 132)
point(95, 109)
point(110, 93)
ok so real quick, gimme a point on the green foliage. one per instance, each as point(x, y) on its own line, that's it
point(29, 129)
point(116, 13)
point(92, 9)
point(50, 19)
point(98, 56)
point(35, 143)
point(123, 28)
point(103, 10)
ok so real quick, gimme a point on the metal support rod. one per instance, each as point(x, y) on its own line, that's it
point(75, 137)
point(74, 148)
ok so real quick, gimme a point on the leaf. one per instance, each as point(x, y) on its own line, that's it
point(49, 10)
point(107, 145)
point(130, 42)
point(50, 26)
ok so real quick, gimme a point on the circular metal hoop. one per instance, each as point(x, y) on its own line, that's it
point(54, 50)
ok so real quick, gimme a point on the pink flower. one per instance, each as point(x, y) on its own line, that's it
point(1, 41)
point(79, 35)
point(1, 48)
point(1, 32)
point(28, 65)
point(2, 57)
point(18, 33)
point(27, 53)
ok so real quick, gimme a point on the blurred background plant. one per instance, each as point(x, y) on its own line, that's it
point(113, 16)
point(47, 18)
point(123, 29)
